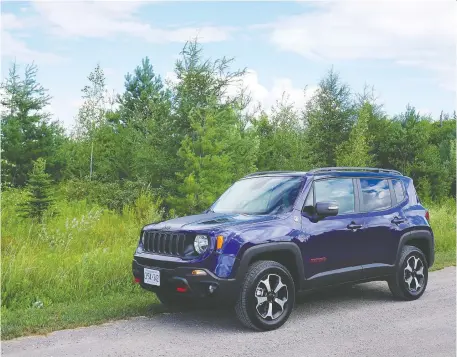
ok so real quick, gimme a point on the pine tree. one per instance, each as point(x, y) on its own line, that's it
point(147, 149)
point(202, 91)
point(27, 131)
point(207, 154)
point(356, 151)
point(282, 141)
point(143, 97)
point(199, 82)
point(329, 117)
point(39, 191)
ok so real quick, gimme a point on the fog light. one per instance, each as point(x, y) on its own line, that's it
point(198, 272)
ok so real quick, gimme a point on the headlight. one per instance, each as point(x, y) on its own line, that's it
point(200, 243)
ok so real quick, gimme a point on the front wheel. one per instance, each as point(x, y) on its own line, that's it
point(411, 277)
point(267, 296)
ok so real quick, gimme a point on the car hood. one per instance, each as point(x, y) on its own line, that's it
point(209, 221)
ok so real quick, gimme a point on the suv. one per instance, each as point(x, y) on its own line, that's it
point(273, 234)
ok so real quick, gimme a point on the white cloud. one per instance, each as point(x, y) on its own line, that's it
point(105, 19)
point(15, 48)
point(267, 97)
point(65, 108)
point(171, 78)
point(419, 33)
point(11, 22)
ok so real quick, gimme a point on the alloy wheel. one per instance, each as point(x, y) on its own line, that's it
point(414, 274)
point(272, 296)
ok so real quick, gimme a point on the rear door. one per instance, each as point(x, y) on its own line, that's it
point(381, 201)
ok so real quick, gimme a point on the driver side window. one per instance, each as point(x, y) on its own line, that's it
point(339, 190)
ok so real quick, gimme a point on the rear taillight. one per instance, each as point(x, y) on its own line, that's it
point(427, 216)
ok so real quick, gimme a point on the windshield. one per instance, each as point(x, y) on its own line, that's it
point(260, 195)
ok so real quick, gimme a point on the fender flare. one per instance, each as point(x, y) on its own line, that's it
point(250, 253)
point(422, 234)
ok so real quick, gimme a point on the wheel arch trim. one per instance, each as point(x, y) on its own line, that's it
point(422, 235)
point(250, 253)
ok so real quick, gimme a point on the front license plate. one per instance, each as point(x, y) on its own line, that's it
point(151, 277)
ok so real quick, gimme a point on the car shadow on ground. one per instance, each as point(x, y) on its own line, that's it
point(375, 291)
point(223, 319)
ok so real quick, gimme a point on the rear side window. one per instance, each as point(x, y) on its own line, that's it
point(399, 190)
point(339, 190)
point(375, 194)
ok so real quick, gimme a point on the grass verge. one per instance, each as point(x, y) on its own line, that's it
point(443, 222)
point(443, 260)
point(20, 322)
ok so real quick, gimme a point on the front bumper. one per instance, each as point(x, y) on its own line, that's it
point(196, 286)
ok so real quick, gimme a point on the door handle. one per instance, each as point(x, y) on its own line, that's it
point(397, 220)
point(354, 226)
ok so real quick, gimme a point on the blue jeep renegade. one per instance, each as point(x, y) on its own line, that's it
point(273, 234)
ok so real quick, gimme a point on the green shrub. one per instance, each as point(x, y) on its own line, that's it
point(113, 195)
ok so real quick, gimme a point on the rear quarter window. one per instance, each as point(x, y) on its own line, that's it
point(399, 190)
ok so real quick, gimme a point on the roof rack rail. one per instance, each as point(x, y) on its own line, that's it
point(370, 169)
point(269, 172)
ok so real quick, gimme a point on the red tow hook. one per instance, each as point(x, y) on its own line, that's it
point(136, 280)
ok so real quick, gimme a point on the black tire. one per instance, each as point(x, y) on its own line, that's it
point(246, 305)
point(397, 284)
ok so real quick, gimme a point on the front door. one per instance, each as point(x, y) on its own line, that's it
point(331, 248)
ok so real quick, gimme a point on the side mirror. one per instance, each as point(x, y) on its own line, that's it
point(325, 209)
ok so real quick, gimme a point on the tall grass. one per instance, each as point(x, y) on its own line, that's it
point(82, 252)
point(443, 222)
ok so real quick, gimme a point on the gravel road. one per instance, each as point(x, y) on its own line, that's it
point(362, 320)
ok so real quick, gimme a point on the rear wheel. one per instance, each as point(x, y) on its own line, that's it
point(267, 296)
point(411, 277)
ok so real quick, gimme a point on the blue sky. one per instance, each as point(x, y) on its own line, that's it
point(405, 49)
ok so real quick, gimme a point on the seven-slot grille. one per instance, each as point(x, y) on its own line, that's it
point(167, 243)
